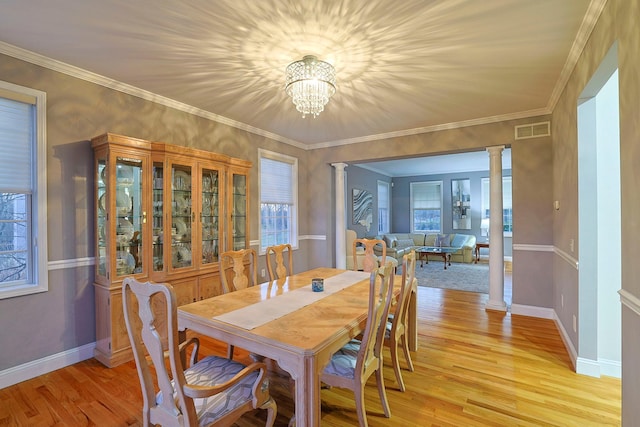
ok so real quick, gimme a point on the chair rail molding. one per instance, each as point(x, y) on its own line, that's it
point(71, 263)
point(630, 301)
point(547, 248)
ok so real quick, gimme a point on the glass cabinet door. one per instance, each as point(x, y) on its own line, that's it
point(181, 217)
point(101, 217)
point(158, 217)
point(239, 212)
point(209, 218)
point(130, 216)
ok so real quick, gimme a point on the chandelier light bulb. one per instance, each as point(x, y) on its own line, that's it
point(310, 83)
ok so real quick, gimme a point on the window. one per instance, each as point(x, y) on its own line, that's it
point(383, 207)
point(23, 216)
point(507, 211)
point(426, 206)
point(278, 199)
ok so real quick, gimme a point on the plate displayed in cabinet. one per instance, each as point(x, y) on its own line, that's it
point(181, 256)
point(124, 231)
point(125, 263)
point(182, 232)
point(124, 204)
point(182, 204)
point(181, 180)
point(102, 203)
point(124, 175)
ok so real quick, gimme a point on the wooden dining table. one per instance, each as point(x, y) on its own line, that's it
point(285, 321)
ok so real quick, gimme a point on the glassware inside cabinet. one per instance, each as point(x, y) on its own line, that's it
point(101, 215)
point(158, 217)
point(209, 216)
point(129, 216)
point(239, 211)
point(181, 217)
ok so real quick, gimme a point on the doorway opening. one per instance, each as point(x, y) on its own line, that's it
point(599, 219)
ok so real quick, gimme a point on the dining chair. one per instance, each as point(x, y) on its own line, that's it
point(243, 276)
point(244, 266)
point(352, 365)
point(211, 391)
point(396, 325)
point(370, 261)
point(276, 265)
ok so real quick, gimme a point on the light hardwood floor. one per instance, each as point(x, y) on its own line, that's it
point(473, 368)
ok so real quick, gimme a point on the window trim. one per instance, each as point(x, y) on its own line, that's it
point(482, 196)
point(293, 161)
point(388, 219)
point(432, 182)
point(39, 197)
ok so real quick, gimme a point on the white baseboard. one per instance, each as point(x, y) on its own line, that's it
point(32, 369)
point(573, 354)
point(597, 368)
point(588, 367)
point(532, 311)
point(610, 368)
point(583, 366)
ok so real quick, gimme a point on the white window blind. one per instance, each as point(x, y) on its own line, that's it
point(383, 207)
point(275, 181)
point(23, 191)
point(16, 141)
point(426, 195)
point(383, 195)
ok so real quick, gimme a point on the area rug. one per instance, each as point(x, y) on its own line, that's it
point(458, 276)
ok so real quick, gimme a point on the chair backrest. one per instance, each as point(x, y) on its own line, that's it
point(408, 276)
point(143, 315)
point(380, 292)
point(276, 265)
point(241, 277)
point(370, 261)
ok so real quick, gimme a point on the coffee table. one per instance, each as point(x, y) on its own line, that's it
point(423, 253)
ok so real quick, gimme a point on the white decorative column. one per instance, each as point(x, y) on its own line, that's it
point(341, 218)
point(496, 232)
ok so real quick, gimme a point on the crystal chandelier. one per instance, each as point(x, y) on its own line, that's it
point(310, 83)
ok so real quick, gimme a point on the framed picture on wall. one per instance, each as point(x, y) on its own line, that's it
point(362, 208)
point(461, 204)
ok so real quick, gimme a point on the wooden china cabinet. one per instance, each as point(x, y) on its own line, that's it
point(163, 213)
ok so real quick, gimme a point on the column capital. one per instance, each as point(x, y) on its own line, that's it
point(496, 149)
point(339, 166)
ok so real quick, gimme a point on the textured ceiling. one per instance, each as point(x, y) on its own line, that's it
point(403, 67)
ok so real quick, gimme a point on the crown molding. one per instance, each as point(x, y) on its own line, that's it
point(584, 32)
point(435, 128)
point(70, 70)
point(73, 71)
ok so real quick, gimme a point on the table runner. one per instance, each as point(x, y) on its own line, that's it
point(263, 312)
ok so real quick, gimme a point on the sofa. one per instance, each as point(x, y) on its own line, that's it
point(399, 244)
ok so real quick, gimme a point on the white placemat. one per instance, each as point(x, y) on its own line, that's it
point(258, 314)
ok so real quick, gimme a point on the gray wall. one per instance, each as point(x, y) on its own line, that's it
point(401, 221)
point(543, 171)
point(363, 179)
point(64, 317)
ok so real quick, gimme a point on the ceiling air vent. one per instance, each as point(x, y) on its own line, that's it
point(533, 130)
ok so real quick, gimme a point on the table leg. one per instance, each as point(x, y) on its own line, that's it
point(308, 394)
point(423, 256)
point(477, 250)
point(444, 258)
point(306, 376)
